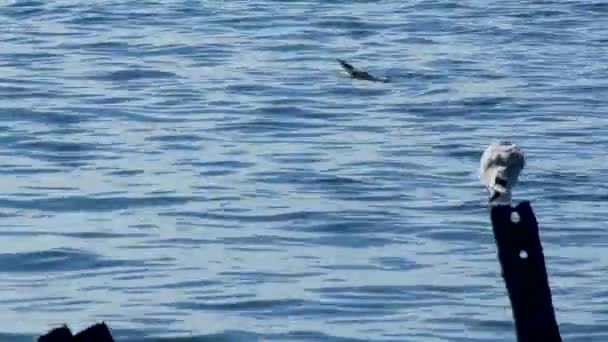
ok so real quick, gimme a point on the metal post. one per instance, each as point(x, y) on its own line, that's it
point(523, 270)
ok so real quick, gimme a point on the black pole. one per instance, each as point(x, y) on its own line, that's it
point(523, 269)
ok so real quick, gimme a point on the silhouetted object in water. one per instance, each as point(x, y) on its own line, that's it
point(58, 334)
point(95, 333)
point(523, 269)
point(360, 74)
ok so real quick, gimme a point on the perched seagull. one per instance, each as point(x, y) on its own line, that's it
point(499, 168)
point(360, 74)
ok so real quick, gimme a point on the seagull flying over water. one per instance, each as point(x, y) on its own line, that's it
point(360, 74)
point(499, 169)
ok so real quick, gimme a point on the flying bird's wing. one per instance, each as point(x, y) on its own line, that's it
point(349, 68)
point(360, 74)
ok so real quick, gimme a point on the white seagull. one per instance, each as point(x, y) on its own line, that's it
point(499, 168)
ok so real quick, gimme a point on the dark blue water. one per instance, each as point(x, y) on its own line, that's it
point(202, 169)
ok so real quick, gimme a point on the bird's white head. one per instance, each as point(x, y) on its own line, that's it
point(499, 169)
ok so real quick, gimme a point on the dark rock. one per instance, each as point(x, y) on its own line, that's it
point(58, 334)
point(96, 333)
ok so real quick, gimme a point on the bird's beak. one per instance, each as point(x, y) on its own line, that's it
point(493, 195)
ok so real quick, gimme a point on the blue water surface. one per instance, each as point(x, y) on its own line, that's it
point(203, 169)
